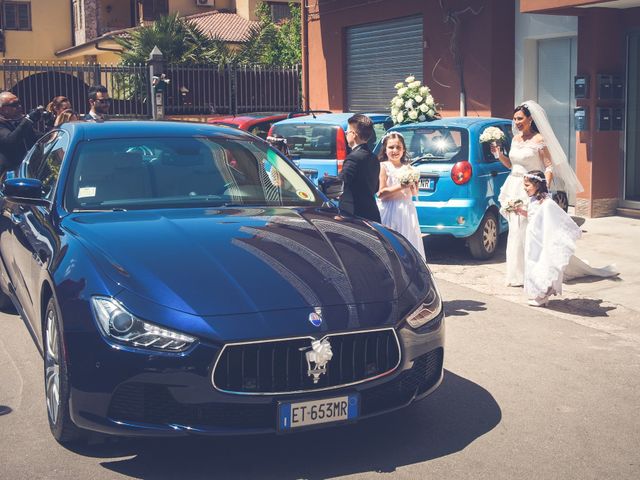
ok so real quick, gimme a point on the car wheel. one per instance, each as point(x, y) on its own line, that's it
point(484, 241)
point(562, 200)
point(56, 379)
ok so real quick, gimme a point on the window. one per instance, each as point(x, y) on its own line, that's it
point(279, 11)
point(16, 16)
point(78, 14)
point(46, 158)
point(154, 9)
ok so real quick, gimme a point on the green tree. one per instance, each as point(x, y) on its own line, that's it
point(179, 41)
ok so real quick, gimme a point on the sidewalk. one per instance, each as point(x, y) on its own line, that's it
point(611, 305)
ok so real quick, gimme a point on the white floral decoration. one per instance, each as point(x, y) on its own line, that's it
point(413, 102)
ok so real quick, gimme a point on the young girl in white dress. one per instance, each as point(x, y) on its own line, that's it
point(395, 202)
point(534, 147)
point(550, 241)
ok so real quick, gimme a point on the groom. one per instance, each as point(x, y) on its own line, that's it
point(360, 171)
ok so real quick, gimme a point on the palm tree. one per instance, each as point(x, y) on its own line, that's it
point(179, 40)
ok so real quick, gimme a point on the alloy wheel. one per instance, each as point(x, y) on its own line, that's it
point(490, 235)
point(52, 367)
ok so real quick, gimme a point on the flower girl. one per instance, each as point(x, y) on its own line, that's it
point(549, 243)
point(398, 183)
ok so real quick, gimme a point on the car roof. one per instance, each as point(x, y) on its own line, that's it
point(462, 122)
point(147, 128)
point(250, 117)
point(331, 118)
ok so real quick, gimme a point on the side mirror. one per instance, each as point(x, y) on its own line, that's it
point(331, 186)
point(25, 191)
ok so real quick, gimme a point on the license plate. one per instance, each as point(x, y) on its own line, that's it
point(427, 183)
point(292, 415)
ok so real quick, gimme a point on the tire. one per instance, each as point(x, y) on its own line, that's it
point(483, 243)
point(561, 199)
point(56, 379)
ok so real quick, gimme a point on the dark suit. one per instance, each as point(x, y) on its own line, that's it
point(16, 138)
point(360, 173)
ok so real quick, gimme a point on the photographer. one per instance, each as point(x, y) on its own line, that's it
point(17, 132)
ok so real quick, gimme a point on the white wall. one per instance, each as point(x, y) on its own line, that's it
point(529, 29)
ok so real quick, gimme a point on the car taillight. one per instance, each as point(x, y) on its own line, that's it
point(341, 147)
point(461, 172)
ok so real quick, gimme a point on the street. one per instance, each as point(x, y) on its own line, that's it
point(528, 393)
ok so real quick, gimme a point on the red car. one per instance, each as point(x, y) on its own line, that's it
point(257, 123)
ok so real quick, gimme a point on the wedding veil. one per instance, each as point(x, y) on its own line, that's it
point(564, 177)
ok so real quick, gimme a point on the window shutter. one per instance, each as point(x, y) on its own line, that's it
point(24, 22)
point(10, 16)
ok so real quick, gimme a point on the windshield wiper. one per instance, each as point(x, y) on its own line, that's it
point(426, 158)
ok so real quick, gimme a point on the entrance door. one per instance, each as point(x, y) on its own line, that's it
point(632, 151)
point(557, 64)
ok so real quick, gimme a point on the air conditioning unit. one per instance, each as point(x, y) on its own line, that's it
point(206, 3)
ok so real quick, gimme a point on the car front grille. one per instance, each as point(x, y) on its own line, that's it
point(280, 367)
point(154, 404)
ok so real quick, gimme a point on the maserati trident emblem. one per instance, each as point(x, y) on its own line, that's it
point(315, 317)
point(318, 355)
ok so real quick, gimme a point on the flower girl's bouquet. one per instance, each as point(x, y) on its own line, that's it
point(407, 175)
point(494, 136)
point(513, 206)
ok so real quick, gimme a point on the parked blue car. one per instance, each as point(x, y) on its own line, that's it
point(187, 279)
point(460, 180)
point(318, 143)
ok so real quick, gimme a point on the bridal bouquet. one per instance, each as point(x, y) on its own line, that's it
point(407, 175)
point(413, 102)
point(494, 136)
point(513, 206)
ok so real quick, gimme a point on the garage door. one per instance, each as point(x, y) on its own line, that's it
point(379, 55)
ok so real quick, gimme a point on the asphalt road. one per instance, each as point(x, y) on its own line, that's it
point(526, 395)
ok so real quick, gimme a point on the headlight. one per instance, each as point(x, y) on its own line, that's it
point(429, 309)
point(118, 324)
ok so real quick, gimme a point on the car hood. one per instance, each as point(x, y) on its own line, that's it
point(228, 261)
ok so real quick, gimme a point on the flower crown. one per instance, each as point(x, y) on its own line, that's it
point(388, 134)
point(535, 177)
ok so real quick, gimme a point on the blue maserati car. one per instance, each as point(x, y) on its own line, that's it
point(187, 279)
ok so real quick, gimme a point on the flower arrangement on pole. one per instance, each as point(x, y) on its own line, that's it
point(413, 102)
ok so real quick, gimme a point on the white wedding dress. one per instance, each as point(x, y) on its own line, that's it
point(400, 214)
point(524, 156)
point(549, 250)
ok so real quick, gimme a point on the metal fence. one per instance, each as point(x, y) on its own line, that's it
point(193, 89)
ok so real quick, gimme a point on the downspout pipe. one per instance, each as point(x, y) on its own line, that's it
point(305, 54)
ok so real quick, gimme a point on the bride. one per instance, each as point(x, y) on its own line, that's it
point(535, 147)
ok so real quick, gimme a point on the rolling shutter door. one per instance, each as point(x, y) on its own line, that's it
point(379, 55)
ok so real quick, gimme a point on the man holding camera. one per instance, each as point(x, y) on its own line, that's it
point(17, 131)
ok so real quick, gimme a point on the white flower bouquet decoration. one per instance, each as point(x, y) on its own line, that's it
point(413, 102)
point(407, 175)
point(494, 136)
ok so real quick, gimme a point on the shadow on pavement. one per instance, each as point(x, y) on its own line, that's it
point(459, 308)
point(583, 307)
point(448, 250)
point(456, 414)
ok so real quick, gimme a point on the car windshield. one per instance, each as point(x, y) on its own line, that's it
point(146, 173)
point(436, 144)
point(309, 141)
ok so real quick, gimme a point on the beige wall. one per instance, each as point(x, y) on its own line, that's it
point(51, 31)
point(189, 7)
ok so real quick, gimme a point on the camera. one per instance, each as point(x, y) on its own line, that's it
point(48, 117)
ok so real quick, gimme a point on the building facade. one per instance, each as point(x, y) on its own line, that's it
point(578, 59)
point(606, 84)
